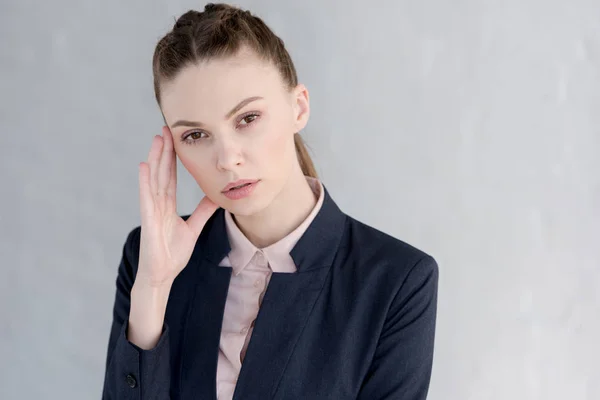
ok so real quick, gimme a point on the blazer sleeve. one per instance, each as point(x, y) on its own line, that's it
point(402, 363)
point(131, 372)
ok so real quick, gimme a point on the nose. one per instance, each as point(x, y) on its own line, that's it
point(229, 155)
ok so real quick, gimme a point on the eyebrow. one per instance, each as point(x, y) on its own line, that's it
point(235, 109)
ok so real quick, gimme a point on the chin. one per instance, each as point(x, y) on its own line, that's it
point(245, 207)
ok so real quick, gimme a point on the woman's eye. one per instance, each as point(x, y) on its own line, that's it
point(248, 119)
point(192, 137)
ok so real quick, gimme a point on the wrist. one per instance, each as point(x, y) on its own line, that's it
point(151, 291)
point(147, 314)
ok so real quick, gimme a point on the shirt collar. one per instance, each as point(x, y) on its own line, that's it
point(277, 254)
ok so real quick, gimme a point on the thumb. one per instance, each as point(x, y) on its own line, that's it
point(201, 214)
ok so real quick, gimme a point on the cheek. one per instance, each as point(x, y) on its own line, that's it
point(197, 166)
point(276, 147)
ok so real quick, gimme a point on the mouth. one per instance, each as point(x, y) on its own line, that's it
point(240, 189)
point(238, 185)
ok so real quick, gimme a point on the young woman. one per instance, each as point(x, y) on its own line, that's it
point(267, 290)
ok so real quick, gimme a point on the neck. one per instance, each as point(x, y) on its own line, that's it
point(285, 213)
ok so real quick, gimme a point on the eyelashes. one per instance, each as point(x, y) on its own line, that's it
point(195, 136)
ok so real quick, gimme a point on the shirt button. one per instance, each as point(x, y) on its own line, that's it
point(257, 283)
point(245, 330)
point(131, 381)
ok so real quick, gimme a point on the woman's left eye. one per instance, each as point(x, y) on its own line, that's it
point(249, 118)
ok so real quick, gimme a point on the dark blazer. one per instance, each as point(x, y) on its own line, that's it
point(356, 321)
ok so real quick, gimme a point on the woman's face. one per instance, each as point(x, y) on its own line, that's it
point(234, 119)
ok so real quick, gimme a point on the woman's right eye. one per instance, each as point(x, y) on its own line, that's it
point(192, 137)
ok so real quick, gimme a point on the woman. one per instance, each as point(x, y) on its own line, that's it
point(267, 290)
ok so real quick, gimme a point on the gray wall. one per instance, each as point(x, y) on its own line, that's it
point(467, 128)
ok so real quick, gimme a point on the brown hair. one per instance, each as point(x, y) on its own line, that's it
point(220, 31)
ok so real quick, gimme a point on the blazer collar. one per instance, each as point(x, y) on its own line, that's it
point(315, 248)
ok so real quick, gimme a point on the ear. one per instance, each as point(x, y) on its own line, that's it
point(301, 105)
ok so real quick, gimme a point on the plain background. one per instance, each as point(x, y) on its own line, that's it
point(467, 128)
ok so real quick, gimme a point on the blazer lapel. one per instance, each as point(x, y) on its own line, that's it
point(285, 309)
point(287, 305)
point(205, 316)
point(202, 333)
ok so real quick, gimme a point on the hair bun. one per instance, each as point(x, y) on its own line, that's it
point(212, 7)
point(187, 19)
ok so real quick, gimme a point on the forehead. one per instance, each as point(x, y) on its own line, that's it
point(220, 83)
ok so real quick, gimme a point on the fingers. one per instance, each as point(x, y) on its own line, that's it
point(146, 203)
point(201, 214)
point(172, 178)
point(153, 162)
point(164, 165)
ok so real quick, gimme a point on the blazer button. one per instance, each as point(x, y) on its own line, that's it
point(131, 381)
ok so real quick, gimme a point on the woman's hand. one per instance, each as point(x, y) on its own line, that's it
point(167, 241)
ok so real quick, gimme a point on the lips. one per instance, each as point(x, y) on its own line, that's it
point(238, 184)
point(240, 189)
